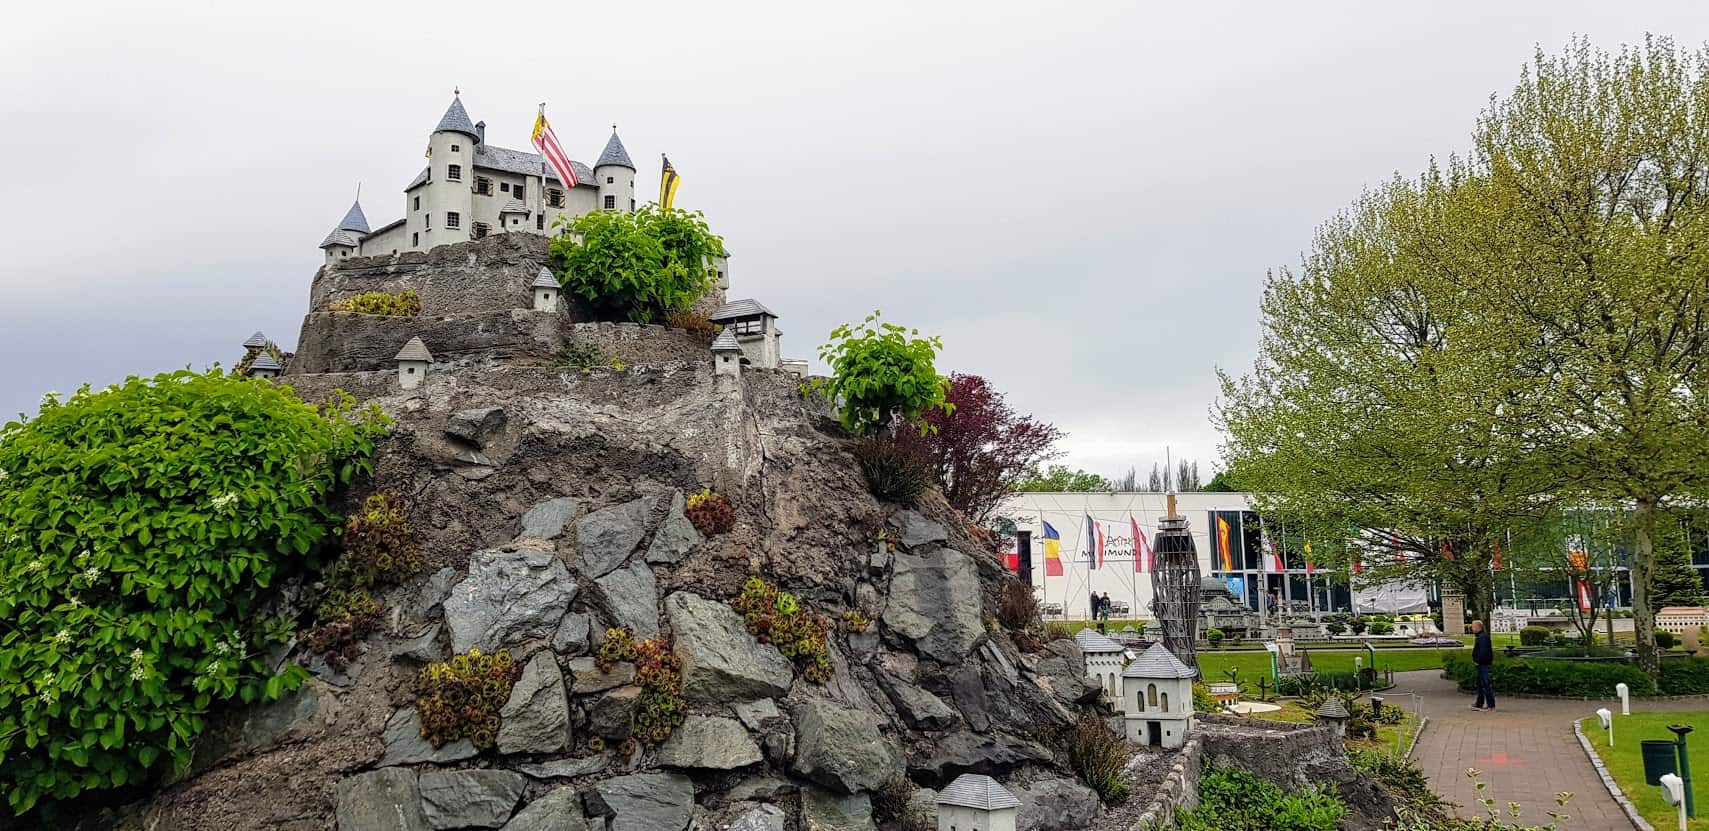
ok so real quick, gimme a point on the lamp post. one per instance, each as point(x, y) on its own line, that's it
point(1674, 793)
point(1607, 720)
point(1625, 694)
point(1679, 731)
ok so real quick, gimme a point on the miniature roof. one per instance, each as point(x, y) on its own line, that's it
point(513, 206)
point(339, 237)
point(264, 361)
point(415, 350)
point(353, 219)
point(1683, 610)
point(739, 308)
point(456, 120)
point(1158, 662)
point(972, 790)
point(256, 341)
point(1333, 708)
point(726, 342)
point(1091, 641)
point(527, 164)
point(545, 280)
point(614, 153)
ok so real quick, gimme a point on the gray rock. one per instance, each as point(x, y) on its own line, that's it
point(822, 810)
point(767, 788)
point(864, 643)
point(721, 662)
point(934, 602)
point(709, 742)
point(914, 529)
point(423, 648)
point(586, 678)
point(571, 637)
point(632, 595)
point(612, 715)
point(546, 520)
point(469, 798)
point(536, 719)
point(759, 818)
point(380, 800)
point(318, 667)
point(265, 724)
point(968, 690)
point(643, 802)
point(605, 538)
point(676, 535)
point(924, 802)
point(990, 754)
point(1055, 805)
point(755, 714)
point(842, 749)
point(565, 768)
point(556, 810)
point(508, 597)
point(478, 427)
point(424, 605)
point(405, 746)
point(919, 708)
point(1061, 671)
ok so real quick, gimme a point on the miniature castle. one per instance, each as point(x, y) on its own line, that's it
point(471, 189)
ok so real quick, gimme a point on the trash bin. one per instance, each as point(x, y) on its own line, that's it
point(1658, 759)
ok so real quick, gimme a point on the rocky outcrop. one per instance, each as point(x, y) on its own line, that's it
point(632, 598)
point(405, 746)
point(1055, 805)
point(508, 597)
point(559, 809)
point(720, 660)
point(935, 603)
point(643, 802)
point(823, 810)
point(606, 538)
point(842, 749)
point(469, 798)
point(388, 799)
point(675, 537)
point(710, 743)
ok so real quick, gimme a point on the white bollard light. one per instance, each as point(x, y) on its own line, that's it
point(1607, 719)
point(1625, 694)
point(1673, 792)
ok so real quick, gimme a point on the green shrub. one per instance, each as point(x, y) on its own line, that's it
point(582, 356)
point(402, 304)
point(1666, 639)
point(777, 618)
point(1232, 800)
point(1203, 701)
point(1381, 627)
point(461, 698)
point(1097, 755)
point(1535, 636)
point(1335, 627)
point(1017, 607)
point(1214, 636)
point(894, 471)
point(1576, 679)
point(1688, 677)
point(1358, 625)
point(140, 529)
point(881, 372)
point(636, 265)
point(1056, 630)
point(1403, 778)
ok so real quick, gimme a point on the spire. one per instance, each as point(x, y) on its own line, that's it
point(349, 229)
point(614, 152)
point(456, 120)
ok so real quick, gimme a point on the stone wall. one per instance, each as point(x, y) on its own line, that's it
point(350, 342)
point(1295, 756)
point(491, 274)
point(1179, 791)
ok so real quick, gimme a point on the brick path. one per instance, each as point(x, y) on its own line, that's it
point(1525, 750)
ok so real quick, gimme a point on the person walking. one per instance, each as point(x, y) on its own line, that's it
point(1483, 654)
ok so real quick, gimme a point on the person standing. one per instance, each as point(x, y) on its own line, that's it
point(1104, 614)
point(1483, 654)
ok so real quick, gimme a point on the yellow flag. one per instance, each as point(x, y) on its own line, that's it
point(669, 181)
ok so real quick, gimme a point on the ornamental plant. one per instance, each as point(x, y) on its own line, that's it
point(881, 372)
point(658, 672)
point(710, 512)
point(461, 698)
point(777, 618)
point(140, 528)
point(379, 550)
point(637, 265)
point(401, 304)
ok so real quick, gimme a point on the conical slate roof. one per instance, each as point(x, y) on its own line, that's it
point(726, 342)
point(544, 280)
point(256, 341)
point(265, 361)
point(456, 120)
point(1091, 641)
point(615, 154)
point(981, 793)
point(415, 350)
point(1158, 662)
point(353, 223)
point(1333, 708)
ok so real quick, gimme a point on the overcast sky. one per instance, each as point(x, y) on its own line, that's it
point(1081, 198)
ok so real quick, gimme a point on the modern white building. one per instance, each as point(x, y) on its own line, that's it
point(974, 802)
point(1157, 698)
point(1104, 659)
point(470, 189)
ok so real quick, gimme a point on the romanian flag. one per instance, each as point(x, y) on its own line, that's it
point(1222, 544)
point(1052, 551)
point(669, 181)
point(1141, 547)
point(546, 141)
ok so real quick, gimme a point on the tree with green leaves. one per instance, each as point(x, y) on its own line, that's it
point(1675, 582)
point(882, 374)
point(636, 265)
point(1063, 479)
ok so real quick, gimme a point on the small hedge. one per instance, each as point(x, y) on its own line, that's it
point(1574, 679)
point(1535, 635)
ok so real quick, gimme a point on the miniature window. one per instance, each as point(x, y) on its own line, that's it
point(455, 148)
point(415, 240)
point(454, 172)
point(555, 198)
point(417, 205)
point(504, 187)
point(540, 222)
point(481, 230)
point(750, 326)
point(610, 180)
point(610, 202)
point(427, 221)
point(1151, 693)
point(631, 204)
point(516, 191)
point(453, 219)
point(483, 186)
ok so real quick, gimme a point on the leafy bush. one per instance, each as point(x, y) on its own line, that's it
point(1535, 636)
point(1214, 636)
point(1381, 627)
point(693, 323)
point(461, 698)
point(710, 512)
point(1521, 676)
point(1403, 778)
point(1335, 627)
point(1358, 625)
point(880, 372)
point(1688, 677)
point(140, 528)
point(1097, 755)
point(402, 304)
point(894, 471)
point(583, 356)
point(777, 618)
point(1232, 800)
point(1203, 701)
point(1666, 639)
point(1017, 608)
point(637, 265)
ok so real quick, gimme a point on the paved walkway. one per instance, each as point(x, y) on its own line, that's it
point(1525, 750)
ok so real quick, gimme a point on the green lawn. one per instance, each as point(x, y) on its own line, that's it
point(1255, 665)
point(1393, 738)
point(1627, 765)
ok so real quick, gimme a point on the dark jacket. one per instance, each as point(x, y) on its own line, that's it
point(1483, 652)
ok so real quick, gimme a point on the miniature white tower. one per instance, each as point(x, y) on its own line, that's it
point(1157, 698)
point(975, 802)
point(756, 330)
point(448, 198)
point(1104, 659)
point(614, 175)
point(413, 361)
point(1334, 713)
point(254, 345)
point(545, 288)
point(345, 240)
point(726, 354)
point(264, 367)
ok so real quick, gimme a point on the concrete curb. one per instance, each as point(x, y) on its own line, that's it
point(1418, 731)
point(1608, 782)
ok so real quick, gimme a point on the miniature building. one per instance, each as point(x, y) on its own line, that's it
point(1225, 693)
point(1681, 619)
point(1220, 610)
point(976, 803)
point(264, 367)
point(798, 366)
point(1104, 659)
point(1157, 698)
point(755, 328)
point(726, 354)
point(1334, 713)
point(413, 361)
point(545, 288)
point(254, 345)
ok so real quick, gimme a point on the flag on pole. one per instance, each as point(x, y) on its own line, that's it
point(1222, 544)
point(668, 183)
point(1141, 547)
point(1052, 551)
point(1495, 560)
point(546, 141)
point(1011, 554)
point(1100, 527)
point(1275, 565)
point(1308, 569)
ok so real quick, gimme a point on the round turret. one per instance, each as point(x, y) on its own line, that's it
point(447, 202)
point(614, 175)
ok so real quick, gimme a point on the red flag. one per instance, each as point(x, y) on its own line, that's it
point(1276, 564)
point(546, 141)
point(1584, 595)
point(1495, 561)
point(1100, 527)
point(1011, 555)
point(1141, 547)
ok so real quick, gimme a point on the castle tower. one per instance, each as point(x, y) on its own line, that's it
point(447, 200)
point(614, 174)
point(345, 240)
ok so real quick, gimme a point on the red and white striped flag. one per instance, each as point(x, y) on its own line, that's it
point(546, 142)
point(1141, 547)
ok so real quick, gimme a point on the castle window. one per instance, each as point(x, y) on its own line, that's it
point(417, 205)
point(610, 179)
point(483, 186)
point(555, 198)
point(455, 148)
point(504, 187)
point(750, 326)
point(631, 204)
point(516, 191)
point(481, 231)
point(427, 221)
point(610, 202)
point(540, 222)
point(415, 240)
point(453, 219)
point(454, 172)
